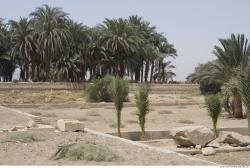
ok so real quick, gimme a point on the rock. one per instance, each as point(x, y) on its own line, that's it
point(31, 124)
point(18, 128)
point(233, 138)
point(197, 146)
point(208, 151)
point(43, 127)
point(192, 135)
point(70, 125)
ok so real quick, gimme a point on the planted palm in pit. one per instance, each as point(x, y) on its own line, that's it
point(88, 151)
point(213, 105)
point(119, 91)
point(142, 104)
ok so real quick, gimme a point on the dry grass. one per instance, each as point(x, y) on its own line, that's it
point(185, 97)
point(40, 97)
point(36, 113)
point(181, 107)
point(51, 115)
point(165, 112)
point(185, 121)
point(88, 151)
point(93, 113)
point(132, 122)
point(84, 107)
point(23, 137)
point(114, 125)
point(82, 119)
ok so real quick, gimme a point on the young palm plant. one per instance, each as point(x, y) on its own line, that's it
point(214, 108)
point(119, 91)
point(142, 103)
point(244, 87)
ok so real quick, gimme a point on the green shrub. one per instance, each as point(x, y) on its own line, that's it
point(87, 151)
point(210, 87)
point(213, 105)
point(142, 104)
point(119, 90)
point(100, 90)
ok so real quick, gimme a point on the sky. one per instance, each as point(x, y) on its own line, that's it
point(193, 26)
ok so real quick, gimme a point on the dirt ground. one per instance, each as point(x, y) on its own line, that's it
point(180, 110)
point(159, 118)
point(39, 153)
point(230, 158)
point(69, 97)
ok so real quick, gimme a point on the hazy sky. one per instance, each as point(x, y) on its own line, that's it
point(193, 26)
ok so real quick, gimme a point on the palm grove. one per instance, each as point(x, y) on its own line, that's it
point(228, 74)
point(49, 46)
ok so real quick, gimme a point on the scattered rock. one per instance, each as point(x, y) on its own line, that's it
point(18, 128)
point(197, 146)
point(70, 125)
point(208, 151)
point(233, 138)
point(31, 124)
point(234, 145)
point(192, 135)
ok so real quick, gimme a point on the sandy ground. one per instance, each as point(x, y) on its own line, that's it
point(159, 118)
point(231, 158)
point(39, 153)
point(59, 97)
point(8, 119)
point(103, 119)
point(49, 97)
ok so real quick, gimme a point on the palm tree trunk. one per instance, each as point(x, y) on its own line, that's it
point(137, 74)
point(119, 123)
point(152, 71)
point(237, 105)
point(146, 71)
point(248, 119)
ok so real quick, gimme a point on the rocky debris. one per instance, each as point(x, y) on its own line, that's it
point(233, 138)
point(208, 151)
point(38, 120)
point(192, 135)
point(19, 128)
point(70, 125)
point(197, 146)
point(31, 124)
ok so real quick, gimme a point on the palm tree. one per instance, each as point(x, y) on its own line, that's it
point(244, 88)
point(51, 28)
point(66, 68)
point(22, 37)
point(142, 103)
point(165, 73)
point(119, 91)
point(6, 61)
point(214, 108)
point(235, 52)
point(121, 41)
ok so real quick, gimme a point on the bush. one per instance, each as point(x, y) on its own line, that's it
point(213, 105)
point(87, 151)
point(100, 90)
point(210, 87)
